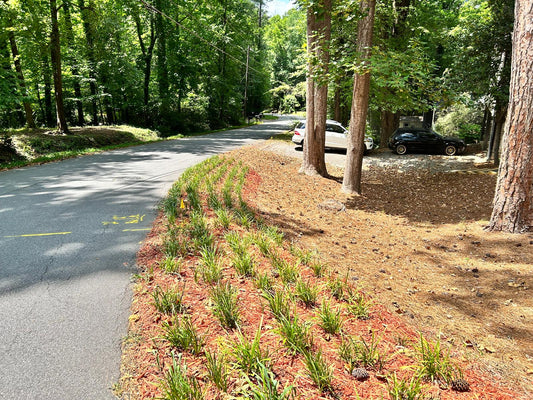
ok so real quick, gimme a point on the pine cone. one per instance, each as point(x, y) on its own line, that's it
point(360, 374)
point(460, 385)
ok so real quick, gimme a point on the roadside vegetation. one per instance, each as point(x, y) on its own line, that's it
point(21, 147)
point(256, 316)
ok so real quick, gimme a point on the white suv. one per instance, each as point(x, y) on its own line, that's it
point(336, 136)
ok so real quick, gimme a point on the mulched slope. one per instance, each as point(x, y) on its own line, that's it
point(147, 355)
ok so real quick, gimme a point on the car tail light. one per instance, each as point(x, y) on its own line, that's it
point(297, 133)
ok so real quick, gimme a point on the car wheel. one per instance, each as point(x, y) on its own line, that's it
point(400, 149)
point(450, 150)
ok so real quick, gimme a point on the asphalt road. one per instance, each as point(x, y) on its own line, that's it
point(69, 232)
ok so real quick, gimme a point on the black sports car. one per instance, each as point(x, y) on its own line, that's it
point(405, 140)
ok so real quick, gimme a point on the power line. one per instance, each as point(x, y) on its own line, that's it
point(151, 7)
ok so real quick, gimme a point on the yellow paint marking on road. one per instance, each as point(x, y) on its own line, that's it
point(130, 219)
point(39, 234)
point(136, 230)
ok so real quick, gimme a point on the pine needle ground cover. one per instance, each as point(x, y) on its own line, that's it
point(255, 334)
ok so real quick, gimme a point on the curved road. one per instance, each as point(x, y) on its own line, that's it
point(69, 232)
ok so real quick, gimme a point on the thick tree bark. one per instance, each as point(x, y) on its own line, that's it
point(389, 123)
point(318, 36)
point(55, 51)
point(86, 15)
point(47, 81)
point(30, 123)
point(147, 52)
point(69, 33)
point(351, 182)
point(513, 200)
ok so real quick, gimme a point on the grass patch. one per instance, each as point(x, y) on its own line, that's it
point(330, 320)
point(248, 355)
point(361, 353)
point(319, 371)
point(168, 302)
point(177, 385)
point(225, 307)
point(433, 363)
point(217, 370)
point(183, 335)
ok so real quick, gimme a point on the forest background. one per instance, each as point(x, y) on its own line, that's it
point(186, 66)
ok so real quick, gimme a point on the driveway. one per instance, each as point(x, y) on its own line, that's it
point(69, 233)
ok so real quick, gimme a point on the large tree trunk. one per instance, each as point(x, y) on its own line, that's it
point(389, 123)
point(69, 33)
point(47, 81)
point(55, 51)
point(351, 182)
point(318, 36)
point(86, 16)
point(513, 200)
point(18, 67)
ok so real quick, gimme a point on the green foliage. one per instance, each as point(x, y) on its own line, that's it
point(319, 370)
point(177, 385)
point(279, 304)
point(330, 320)
point(171, 265)
point(359, 306)
point(306, 293)
point(169, 301)
point(361, 353)
point(209, 267)
point(217, 370)
point(461, 121)
point(183, 335)
point(296, 335)
point(248, 355)
point(433, 363)
point(244, 264)
point(401, 389)
point(225, 307)
point(267, 387)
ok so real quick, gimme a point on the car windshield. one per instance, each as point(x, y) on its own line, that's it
point(300, 125)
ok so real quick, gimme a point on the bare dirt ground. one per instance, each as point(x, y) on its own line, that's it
point(414, 242)
point(415, 239)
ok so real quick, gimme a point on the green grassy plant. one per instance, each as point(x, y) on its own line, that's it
point(306, 293)
point(225, 307)
point(400, 389)
point(330, 320)
point(361, 353)
point(264, 243)
point(210, 268)
point(176, 385)
point(223, 217)
point(434, 364)
point(244, 264)
point(264, 282)
point(279, 304)
point(217, 370)
point(183, 335)
point(289, 273)
point(267, 387)
point(319, 371)
point(239, 245)
point(273, 233)
point(340, 288)
point(248, 355)
point(359, 306)
point(171, 265)
point(168, 302)
point(296, 335)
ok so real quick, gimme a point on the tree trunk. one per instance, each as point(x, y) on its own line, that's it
point(513, 200)
point(47, 80)
point(55, 51)
point(351, 182)
point(162, 67)
point(86, 14)
point(69, 33)
point(318, 36)
point(485, 128)
point(493, 153)
point(18, 67)
point(389, 123)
